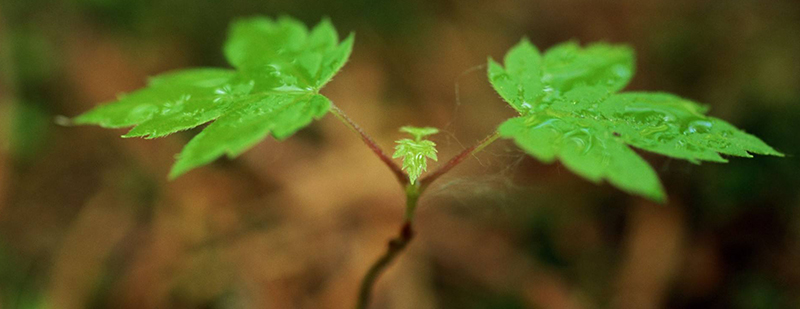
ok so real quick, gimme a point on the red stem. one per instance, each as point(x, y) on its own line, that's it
point(427, 180)
point(398, 172)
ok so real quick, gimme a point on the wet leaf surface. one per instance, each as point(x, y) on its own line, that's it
point(571, 111)
point(280, 66)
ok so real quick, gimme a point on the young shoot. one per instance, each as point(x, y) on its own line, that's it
point(416, 152)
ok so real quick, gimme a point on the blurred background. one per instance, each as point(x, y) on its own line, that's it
point(88, 220)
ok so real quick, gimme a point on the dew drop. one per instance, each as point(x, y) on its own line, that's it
point(621, 71)
point(698, 126)
point(288, 88)
point(717, 144)
point(582, 138)
point(143, 111)
point(548, 123)
point(647, 131)
point(229, 92)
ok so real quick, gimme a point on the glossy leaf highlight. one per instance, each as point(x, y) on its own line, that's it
point(571, 111)
point(280, 66)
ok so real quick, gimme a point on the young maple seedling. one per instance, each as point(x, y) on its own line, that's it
point(568, 102)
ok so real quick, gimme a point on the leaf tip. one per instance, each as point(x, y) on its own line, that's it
point(769, 151)
point(348, 41)
point(177, 170)
point(658, 196)
point(63, 121)
point(174, 174)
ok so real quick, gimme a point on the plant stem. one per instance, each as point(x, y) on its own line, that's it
point(398, 172)
point(412, 196)
point(396, 246)
point(427, 180)
point(413, 191)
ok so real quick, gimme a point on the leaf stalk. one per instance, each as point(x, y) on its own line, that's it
point(398, 172)
point(457, 159)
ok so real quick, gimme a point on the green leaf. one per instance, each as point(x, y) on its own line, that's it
point(568, 65)
point(589, 127)
point(529, 78)
point(415, 153)
point(280, 66)
point(419, 133)
point(520, 83)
